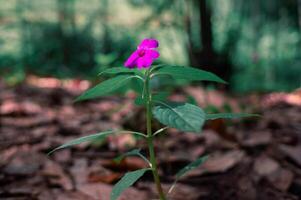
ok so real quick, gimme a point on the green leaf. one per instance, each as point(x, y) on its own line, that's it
point(189, 73)
point(126, 181)
point(121, 70)
point(191, 166)
point(136, 85)
point(87, 138)
point(155, 67)
point(106, 87)
point(182, 116)
point(229, 115)
point(134, 152)
point(93, 137)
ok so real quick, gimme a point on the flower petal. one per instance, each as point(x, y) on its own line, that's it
point(149, 43)
point(152, 53)
point(132, 60)
point(144, 62)
point(148, 58)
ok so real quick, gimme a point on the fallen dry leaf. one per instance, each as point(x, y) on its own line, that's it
point(265, 166)
point(101, 191)
point(24, 164)
point(56, 175)
point(293, 152)
point(219, 163)
point(281, 179)
point(257, 139)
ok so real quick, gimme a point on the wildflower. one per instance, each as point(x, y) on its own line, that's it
point(145, 54)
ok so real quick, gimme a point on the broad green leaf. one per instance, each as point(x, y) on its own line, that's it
point(182, 116)
point(106, 87)
point(189, 73)
point(121, 70)
point(126, 181)
point(229, 115)
point(139, 101)
point(134, 152)
point(93, 137)
point(87, 138)
point(136, 85)
point(191, 166)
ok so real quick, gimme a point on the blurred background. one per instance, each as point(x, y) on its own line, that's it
point(255, 45)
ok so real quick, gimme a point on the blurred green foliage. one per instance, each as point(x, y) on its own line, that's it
point(260, 40)
point(263, 40)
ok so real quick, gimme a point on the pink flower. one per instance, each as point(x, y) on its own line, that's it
point(145, 54)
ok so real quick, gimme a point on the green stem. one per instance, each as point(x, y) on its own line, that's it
point(150, 137)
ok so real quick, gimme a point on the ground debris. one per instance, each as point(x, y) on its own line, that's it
point(257, 159)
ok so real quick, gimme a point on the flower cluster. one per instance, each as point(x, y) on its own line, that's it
point(145, 54)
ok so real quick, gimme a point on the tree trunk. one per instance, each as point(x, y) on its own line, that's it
point(205, 58)
point(206, 30)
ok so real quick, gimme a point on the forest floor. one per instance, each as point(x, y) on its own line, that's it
point(249, 159)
